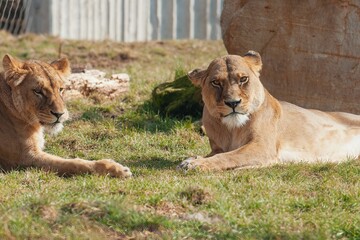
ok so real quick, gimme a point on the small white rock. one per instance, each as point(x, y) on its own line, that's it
point(94, 81)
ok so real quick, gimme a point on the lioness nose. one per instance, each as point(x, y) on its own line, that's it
point(232, 104)
point(56, 114)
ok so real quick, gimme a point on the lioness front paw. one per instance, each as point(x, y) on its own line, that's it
point(111, 168)
point(191, 163)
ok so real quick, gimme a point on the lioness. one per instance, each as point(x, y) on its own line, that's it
point(31, 102)
point(247, 127)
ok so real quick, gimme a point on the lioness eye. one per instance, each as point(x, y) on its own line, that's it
point(61, 90)
point(244, 79)
point(38, 92)
point(215, 83)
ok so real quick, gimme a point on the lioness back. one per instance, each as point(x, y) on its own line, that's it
point(312, 135)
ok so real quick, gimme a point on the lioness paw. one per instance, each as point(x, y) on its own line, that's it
point(191, 163)
point(111, 168)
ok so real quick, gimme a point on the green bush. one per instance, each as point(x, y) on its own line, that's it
point(179, 98)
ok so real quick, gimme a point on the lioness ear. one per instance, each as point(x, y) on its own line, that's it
point(62, 65)
point(196, 76)
point(254, 59)
point(13, 69)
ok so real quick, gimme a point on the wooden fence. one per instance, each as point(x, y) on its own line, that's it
point(126, 20)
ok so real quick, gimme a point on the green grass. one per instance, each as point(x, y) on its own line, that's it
point(296, 201)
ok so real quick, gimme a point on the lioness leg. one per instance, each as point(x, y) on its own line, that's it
point(77, 166)
point(250, 155)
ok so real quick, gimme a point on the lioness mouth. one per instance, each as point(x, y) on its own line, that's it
point(233, 113)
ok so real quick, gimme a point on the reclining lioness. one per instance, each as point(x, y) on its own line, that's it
point(31, 102)
point(247, 127)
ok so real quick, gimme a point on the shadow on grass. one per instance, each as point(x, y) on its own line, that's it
point(118, 217)
point(170, 104)
point(147, 118)
point(155, 163)
point(144, 117)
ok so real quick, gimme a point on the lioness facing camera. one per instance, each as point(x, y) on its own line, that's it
point(31, 102)
point(247, 127)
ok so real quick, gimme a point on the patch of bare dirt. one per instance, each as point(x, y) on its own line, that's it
point(195, 195)
point(49, 213)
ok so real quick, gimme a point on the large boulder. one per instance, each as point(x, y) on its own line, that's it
point(310, 49)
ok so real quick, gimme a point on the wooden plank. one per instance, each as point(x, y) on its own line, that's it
point(73, 20)
point(55, 23)
point(103, 14)
point(200, 10)
point(119, 13)
point(89, 19)
point(63, 17)
point(191, 19)
point(96, 27)
point(183, 8)
point(167, 19)
point(155, 19)
point(126, 24)
point(141, 17)
point(111, 28)
point(83, 23)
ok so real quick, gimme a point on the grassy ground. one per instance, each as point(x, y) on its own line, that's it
point(281, 202)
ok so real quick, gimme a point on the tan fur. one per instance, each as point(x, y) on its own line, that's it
point(31, 102)
point(272, 131)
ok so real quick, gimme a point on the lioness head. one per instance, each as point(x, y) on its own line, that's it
point(230, 87)
point(36, 90)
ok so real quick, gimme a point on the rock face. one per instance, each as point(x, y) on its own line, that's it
point(310, 49)
point(79, 85)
